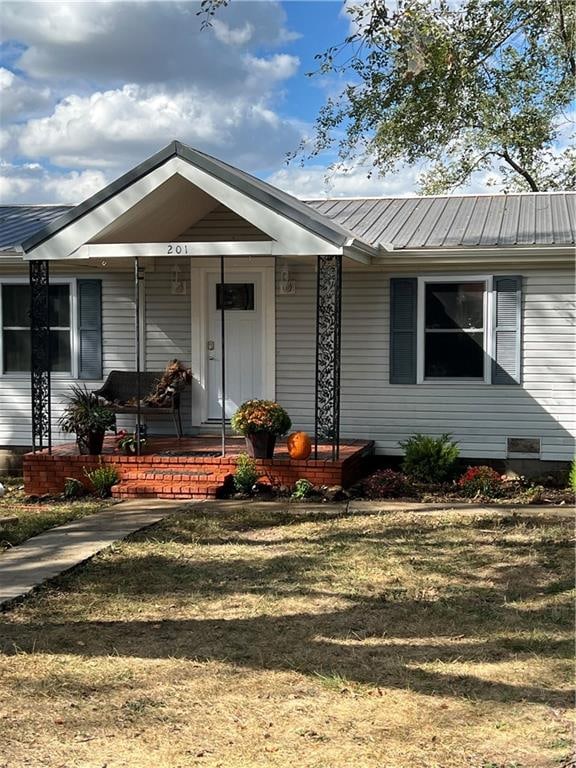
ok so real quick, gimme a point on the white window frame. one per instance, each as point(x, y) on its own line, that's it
point(74, 345)
point(487, 330)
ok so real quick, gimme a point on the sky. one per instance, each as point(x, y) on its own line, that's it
point(90, 89)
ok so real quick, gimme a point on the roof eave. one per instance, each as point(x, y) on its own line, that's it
point(472, 254)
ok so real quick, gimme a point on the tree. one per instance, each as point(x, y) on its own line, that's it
point(459, 85)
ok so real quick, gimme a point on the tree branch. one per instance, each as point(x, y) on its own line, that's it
point(505, 155)
point(566, 40)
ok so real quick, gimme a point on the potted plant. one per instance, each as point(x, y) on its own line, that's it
point(88, 418)
point(261, 422)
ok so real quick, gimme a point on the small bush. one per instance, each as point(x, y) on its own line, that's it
point(572, 476)
point(246, 474)
point(483, 481)
point(302, 489)
point(385, 484)
point(430, 459)
point(102, 478)
point(73, 488)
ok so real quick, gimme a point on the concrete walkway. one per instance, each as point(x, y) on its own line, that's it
point(45, 556)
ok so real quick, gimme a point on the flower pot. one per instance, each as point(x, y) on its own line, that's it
point(260, 445)
point(91, 443)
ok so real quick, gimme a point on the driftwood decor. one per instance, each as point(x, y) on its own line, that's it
point(173, 380)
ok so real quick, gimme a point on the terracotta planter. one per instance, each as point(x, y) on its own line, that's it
point(91, 443)
point(260, 445)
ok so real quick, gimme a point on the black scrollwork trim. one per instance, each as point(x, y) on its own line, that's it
point(40, 354)
point(328, 335)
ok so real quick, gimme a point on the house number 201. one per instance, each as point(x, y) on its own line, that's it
point(177, 249)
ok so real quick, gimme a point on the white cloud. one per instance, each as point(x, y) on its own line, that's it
point(319, 181)
point(19, 97)
point(32, 183)
point(232, 36)
point(127, 78)
point(118, 127)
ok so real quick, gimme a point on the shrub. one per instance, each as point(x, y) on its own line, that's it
point(261, 416)
point(483, 481)
point(302, 489)
point(246, 473)
point(430, 459)
point(572, 476)
point(102, 478)
point(73, 488)
point(384, 484)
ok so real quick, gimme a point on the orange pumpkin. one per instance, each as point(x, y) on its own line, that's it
point(299, 445)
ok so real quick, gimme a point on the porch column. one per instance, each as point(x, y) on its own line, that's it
point(328, 334)
point(40, 355)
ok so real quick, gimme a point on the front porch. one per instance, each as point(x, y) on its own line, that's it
point(190, 468)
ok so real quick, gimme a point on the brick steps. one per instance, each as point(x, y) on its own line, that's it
point(138, 489)
point(169, 482)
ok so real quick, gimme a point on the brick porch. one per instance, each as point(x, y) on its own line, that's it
point(163, 472)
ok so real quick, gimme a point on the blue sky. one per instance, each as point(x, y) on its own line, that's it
point(90, 89)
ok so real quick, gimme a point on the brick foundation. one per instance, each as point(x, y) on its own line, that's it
point(185, 477)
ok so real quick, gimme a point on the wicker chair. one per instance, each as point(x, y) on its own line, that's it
point(123, 385)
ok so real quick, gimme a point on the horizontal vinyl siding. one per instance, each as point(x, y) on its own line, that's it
point(168, 331)
point(480, 417)
point(118, 353)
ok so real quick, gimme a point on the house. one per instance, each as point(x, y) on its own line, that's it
point(368, 319)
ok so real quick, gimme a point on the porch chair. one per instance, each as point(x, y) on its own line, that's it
point(121, 386)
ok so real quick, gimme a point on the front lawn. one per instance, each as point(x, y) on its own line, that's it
point(247, 638)
point(36, 516)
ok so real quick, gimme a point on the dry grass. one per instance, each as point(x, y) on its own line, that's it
point(38, 516)
point(246, 639)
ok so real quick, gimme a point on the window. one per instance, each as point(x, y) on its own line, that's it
point(454, 332)
point(15, 319)
point(239, 296)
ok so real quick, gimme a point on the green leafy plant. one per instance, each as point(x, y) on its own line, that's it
point(246, 473)
point(302, 489)
point(480, 481)
point(73, 488)
point(430, 459)
point(127, 442)
point(572, 476)
point(102, 478)
point(261, 416)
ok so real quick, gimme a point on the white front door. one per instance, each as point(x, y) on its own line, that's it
point(244, 335)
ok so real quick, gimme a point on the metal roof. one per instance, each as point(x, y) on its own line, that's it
point(18, 222)
point(406, 223)
point(458, 221)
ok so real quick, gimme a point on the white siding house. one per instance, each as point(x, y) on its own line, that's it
point(181, 211)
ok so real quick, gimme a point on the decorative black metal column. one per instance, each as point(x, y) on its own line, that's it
point(328, 333)
point(138, 277)
point(223, 355)
point(40, 355)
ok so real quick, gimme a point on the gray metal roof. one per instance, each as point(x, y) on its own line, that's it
point(455, 221)
point(18, 222)
point(444, 221)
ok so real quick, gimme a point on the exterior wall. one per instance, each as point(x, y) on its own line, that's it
point(118, 353)
point(167, 330)
point(479, 416)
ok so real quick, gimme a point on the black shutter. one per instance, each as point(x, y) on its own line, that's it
point(507, 362)
point(403, 329)
point(90, 329)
